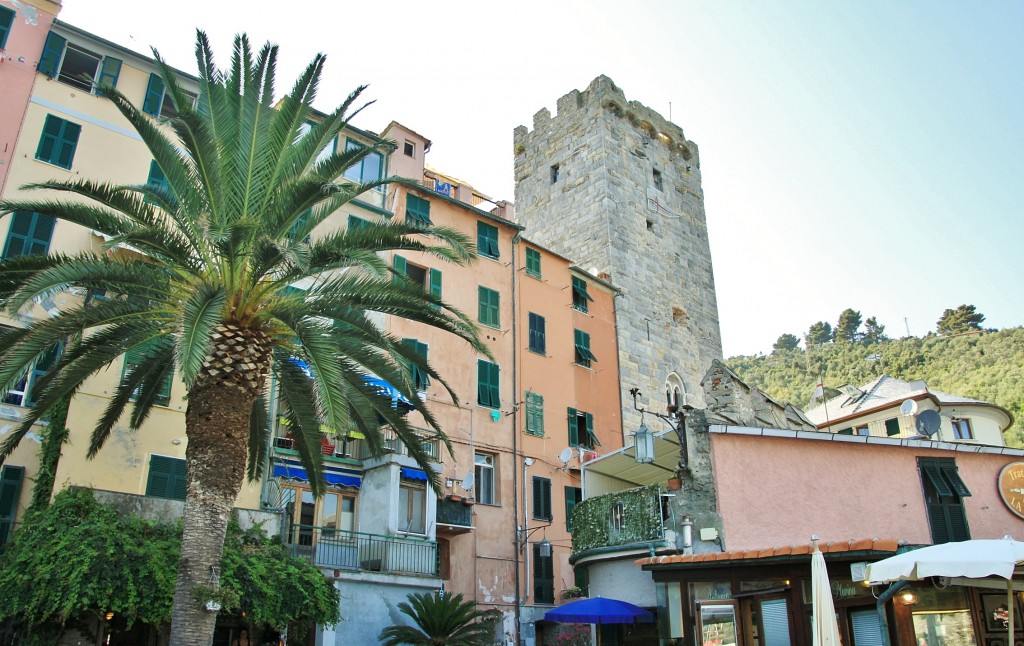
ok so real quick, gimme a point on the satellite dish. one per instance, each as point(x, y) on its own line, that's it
point(908, 407)
point(565, 455)
point(468, 481)
point(928, 423)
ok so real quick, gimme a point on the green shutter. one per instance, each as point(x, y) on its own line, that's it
point(400, 266)
point(49, 62)
point(591, 440)
point(533, 262)
point(537, 334)
point(417, 375)
point(156, 180)
point(534, 414)
point(29, 234)
point(580, 297)
point(10, 494)
point(167, 478)
point(110, 71)
point(435, 283)
point(417, 210)
point(6, 20)
point(489, 308)
point(574, 431)
point(41, 367)
point(541, 498)
point(355, 224)
point(488, 385)
point(892, 427)
point(58, 141)
point(68, 144)
point(487, 240)
point(154, 96)
point(573, 495)
point(132, 359)
point(582, 346)
point(543, 577)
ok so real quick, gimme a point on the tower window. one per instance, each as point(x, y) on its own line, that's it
point(554, 173)
point(657, 180)
point(409, 149)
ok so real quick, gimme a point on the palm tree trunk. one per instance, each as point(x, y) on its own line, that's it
point(217, 423)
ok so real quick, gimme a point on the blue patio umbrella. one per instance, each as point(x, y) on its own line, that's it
point(599, 610)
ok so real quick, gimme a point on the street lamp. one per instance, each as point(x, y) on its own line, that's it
point(643, 444)
point(676, 417)
point(523, 537)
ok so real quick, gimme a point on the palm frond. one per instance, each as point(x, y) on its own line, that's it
point(203, 310)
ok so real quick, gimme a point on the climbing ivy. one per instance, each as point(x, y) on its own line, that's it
point(78, 559)
point(592, 524)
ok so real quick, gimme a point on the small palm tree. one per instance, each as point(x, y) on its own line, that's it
point(441, 619)
point(211, 295)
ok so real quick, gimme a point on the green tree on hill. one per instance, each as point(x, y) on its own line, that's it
point(786, 342)
point(963, 319)
point(874, 332)
point(819, 333)
point(849, 323)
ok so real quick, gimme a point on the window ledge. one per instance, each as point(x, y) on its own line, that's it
point(43, 161)
point(494, 258)
point(493, 327)
point(541, 354)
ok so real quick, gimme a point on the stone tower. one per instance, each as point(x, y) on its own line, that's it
point(615, 187)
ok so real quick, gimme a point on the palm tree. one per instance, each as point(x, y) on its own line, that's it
point(440, 620)
point(211, 296)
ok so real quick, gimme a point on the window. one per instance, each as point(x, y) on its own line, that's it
point(337, 513)
point(581, 429)
point(29, 234)
point(300, 225)
point(541, 498)
point(892, 427)
point(554, 173)
point(658, 184)
point(409, 149)
point(412, 507)
point(617, 517)
point(78, 69)
point(22, 393)
point(487, 390)
point(538, 340)
point(582, 344)
point(158, 103)
point(6, 21)
point(579, 294)
point(355, 223)
point(368, 169)
point(157, 180)
point(543, 577)
point(484, 474)
point(73, 64)
point(429, 279)
point(133, 359)
point(488, 312)
point(417, 210)
point(166, 478)
point(58, 142)
point(534, 414)
point(418, 376)
point(10, 493)
point(532, 262)
point(573, 496)
point(862, 430)
point(962, 428)
point(487, 240)
point(327, 151)
point(944, 492)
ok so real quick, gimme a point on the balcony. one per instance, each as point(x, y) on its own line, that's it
point(621, 518)
point(454, 517)
point(356, 447)
point(327, 547)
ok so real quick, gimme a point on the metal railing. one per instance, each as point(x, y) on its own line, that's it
point(359, 449)
point(333, 548)
point(450, 512)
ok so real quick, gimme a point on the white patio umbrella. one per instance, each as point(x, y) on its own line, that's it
point(976, 559)
point(824, 627)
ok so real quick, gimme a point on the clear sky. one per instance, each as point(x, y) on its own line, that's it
point(861, 154)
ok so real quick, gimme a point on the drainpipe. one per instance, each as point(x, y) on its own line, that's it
point(884, 598)
point(515, 442)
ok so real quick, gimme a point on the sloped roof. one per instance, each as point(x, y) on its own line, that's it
point(884, 392)
point(887, 545)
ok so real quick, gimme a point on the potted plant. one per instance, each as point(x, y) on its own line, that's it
point(675, 483)
point(575, 592)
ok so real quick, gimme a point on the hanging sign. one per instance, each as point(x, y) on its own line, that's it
point(1011, 487)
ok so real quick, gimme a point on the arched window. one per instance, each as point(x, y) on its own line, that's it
point(675, 392)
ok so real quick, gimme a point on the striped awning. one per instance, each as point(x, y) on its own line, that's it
point(294, 472)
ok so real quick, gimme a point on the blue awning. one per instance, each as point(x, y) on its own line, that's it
point(413, 474)
point(293, 472)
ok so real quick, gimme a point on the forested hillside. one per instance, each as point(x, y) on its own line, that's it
point(983, 365)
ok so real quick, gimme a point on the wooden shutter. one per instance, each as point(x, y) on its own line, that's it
point(10, 493)
point(572, 497)
point(435, 283)
point(28, 234)
point(6, 20)
point(417, 210)
point(543, 577)
point(49, 62)
point(535, 414)
point(110, 71)
point(574, 431)
point(68, 144)
point(166, 478)
point(154, 96)
point(399, 264)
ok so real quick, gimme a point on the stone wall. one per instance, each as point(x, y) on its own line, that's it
point(612, 185)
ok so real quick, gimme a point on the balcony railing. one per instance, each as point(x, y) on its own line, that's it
point(451, 512)
point(342, 550)
point(358, 448)
point(620, 518)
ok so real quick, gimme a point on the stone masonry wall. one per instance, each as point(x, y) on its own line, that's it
point(602, 208)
